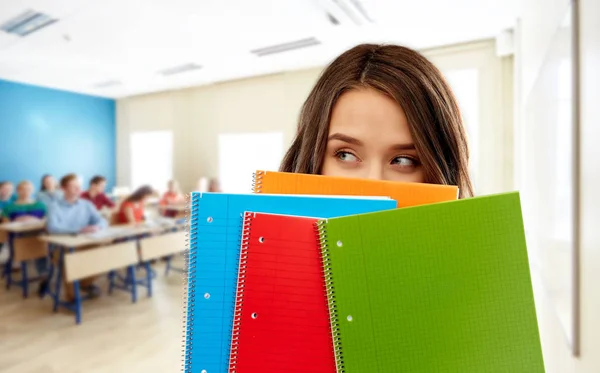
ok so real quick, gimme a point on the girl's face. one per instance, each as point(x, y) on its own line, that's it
point(49, 183)
point(369, 138)
point(24, 191)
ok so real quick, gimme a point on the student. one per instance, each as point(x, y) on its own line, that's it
point(382, 112)
point(214, 186)
point(95, 193)
point(172, 196)
point(49, 191)
point(73, 215)
point(7, 195)
point(131, 210)
point(24, 209)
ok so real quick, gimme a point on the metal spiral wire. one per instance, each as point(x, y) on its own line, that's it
point(189, 278)
point(257, 181)
point(239, 295)
point(330, 293)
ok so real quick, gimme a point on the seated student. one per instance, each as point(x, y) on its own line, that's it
point(95, 193)
point(25, 208)
point(49, 191)
point(214, 186)
point(72, 215)
point(6, 194)
point(172, 196)
point(131, 210)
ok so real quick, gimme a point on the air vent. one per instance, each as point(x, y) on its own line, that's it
point(180, 69)
point(286, 47)
point(27, 23)
point(107, 83)
point(345, 11)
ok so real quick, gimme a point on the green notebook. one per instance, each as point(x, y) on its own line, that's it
point(435, 288)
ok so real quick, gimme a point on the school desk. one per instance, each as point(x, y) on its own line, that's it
point(103, 244)
point(12, 231)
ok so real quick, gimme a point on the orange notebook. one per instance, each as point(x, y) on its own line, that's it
point(405, 194)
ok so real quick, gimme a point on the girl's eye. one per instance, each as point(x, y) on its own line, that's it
point(405, 162)
point(346, 156)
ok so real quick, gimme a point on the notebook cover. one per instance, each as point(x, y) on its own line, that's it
point(406, 194)
point(437, 288)
point(215, 234)
point(281, 321)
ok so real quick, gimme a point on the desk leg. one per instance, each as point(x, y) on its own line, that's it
point(9, 263)
point(50, 274)
point(169, 258)
point(149, 278)
point(131, 272)
point(57, 285)
point(24, 278)
point(77, 302)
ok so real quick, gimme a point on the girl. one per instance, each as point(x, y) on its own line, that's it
point(171, 197)
point(382, 112)
point(131, 210)
point(49, 191)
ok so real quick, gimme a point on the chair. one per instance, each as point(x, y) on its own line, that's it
point(26, 249)
point(91, 262)
point(156, 247)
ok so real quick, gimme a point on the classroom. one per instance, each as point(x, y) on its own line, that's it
point(115, 115)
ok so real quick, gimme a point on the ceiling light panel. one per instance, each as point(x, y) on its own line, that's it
point(27, 22)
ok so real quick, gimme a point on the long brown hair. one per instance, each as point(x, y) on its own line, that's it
point(415, 84)
point(140, 193)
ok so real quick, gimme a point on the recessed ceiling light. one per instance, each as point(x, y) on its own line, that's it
point(180, 69)
point(27, 23)
point(107, 83)
point(285, 47)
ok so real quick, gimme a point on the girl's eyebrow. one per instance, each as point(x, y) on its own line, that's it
point(357, 142)
point(345, 138)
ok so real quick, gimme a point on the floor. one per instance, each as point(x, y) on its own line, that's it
point(115, 335)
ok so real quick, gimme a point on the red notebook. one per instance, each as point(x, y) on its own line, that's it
point(281, 321)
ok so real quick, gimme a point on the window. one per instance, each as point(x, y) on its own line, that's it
point(151, 159)
point(465, 85)
point(241, 154)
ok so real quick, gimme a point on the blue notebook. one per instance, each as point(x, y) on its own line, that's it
point(215, 238)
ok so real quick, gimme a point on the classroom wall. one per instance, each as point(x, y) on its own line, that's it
point(44, 130)
point(540, 20)
point(198, 115)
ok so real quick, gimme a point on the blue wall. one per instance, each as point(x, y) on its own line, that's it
point(50, 131)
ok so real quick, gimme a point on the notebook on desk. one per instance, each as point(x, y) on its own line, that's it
point(216, 224)
point(438, 288)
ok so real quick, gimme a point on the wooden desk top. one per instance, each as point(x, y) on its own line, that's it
point(177, 207)
point(21, 227)
point(106, 236)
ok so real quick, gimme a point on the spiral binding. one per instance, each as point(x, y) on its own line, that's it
point(330, 293)
point(189, 278)
point(239, 295)
point(257, 181)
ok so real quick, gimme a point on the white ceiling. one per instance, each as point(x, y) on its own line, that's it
point(131, 40)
